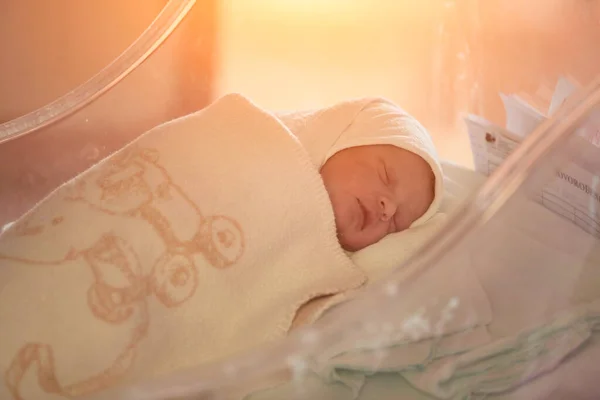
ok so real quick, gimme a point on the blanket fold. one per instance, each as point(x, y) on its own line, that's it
point(201, 239)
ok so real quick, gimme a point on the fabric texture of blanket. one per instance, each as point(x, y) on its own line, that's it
point(201, 239)
point(207, 236)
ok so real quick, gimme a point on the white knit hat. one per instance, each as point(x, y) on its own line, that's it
point(380, 121)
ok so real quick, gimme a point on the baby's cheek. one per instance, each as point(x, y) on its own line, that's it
point(392, 226)
point(403, 220)
point(418, 207)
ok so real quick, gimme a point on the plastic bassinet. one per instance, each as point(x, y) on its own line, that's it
point(167, 72)
point(535, 328)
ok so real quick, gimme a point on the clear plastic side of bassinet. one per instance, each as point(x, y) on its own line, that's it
point(503, 302)
point(91, 79)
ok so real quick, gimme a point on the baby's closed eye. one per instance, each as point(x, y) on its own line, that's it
point(384, 174)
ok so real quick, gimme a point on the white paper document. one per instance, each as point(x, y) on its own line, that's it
point(521, 117)
point(575, 191)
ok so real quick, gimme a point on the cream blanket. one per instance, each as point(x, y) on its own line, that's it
point(201, 239)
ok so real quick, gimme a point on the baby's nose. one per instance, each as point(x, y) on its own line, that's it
point(387, 208)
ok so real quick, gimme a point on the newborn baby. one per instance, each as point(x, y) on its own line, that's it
point(381, 173)
point(376, 190)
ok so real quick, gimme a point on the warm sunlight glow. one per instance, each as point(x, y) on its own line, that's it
point(334, 11)
point(290, 54)
point(310, 5)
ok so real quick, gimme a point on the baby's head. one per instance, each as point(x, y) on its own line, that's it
point(376, 190)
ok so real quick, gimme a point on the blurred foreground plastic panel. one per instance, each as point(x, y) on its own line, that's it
point(114, 106)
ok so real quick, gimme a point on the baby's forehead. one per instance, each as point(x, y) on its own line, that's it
point(378, 150)
point(392, 154)
point(394, 157)
point(404, 164)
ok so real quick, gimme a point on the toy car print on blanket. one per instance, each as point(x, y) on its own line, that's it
point(132, 185)
point(167, 255)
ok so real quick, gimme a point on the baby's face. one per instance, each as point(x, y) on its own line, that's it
point(375, 191)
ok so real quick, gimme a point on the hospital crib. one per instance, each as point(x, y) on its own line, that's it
point(538, 335)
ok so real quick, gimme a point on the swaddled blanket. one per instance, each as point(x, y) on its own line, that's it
point(201, 239)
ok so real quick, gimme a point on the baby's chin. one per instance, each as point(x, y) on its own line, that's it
point(352, 241)
point(349, 236)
